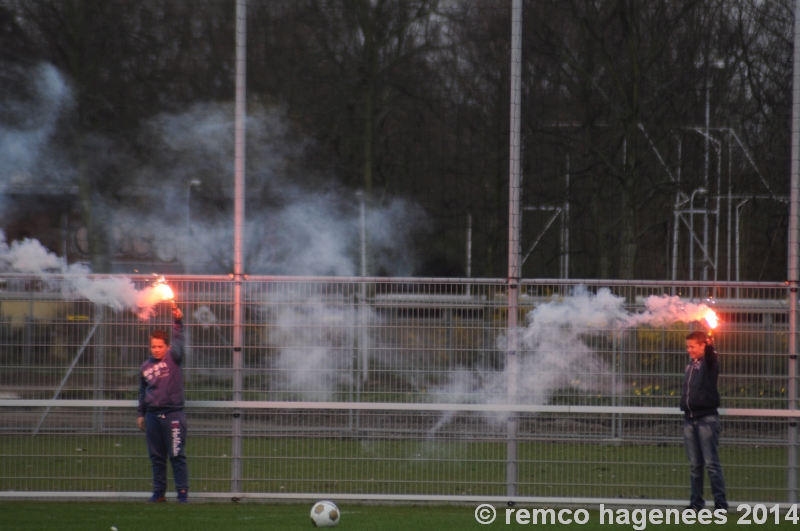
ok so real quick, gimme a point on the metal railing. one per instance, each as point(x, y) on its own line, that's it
point(376, 388)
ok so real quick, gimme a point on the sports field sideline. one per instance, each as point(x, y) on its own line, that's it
point(225, 516)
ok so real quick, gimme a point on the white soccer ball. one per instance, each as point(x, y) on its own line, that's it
point(325, 514)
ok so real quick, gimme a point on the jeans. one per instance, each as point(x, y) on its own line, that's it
point(701, 438)
point(166, 439)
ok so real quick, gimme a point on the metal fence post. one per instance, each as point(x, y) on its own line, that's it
point(363, 343)
point(99, 365)
point(616, 374)
point(514, 273)
point(238, 269)
point(793, 275)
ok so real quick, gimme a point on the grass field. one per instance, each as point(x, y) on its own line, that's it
point(328, 465)
point(132, 516)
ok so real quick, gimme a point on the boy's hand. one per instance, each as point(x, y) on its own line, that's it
point(140, 423)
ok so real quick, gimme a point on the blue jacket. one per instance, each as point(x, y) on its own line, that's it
point(161, 381)
point(699, 396)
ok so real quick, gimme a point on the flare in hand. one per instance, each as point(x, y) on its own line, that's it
point(164, 291)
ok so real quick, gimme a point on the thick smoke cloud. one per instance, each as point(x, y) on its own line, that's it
point(29, 257)
point(315, 350)
point(665, 310)
point(304, 225)
point(553, 353)
point(171, 191)
point(28, 123)
point(316, 342)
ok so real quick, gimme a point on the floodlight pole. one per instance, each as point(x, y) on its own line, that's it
point(514, 273)
point(677, 215)
point(238, 208)
point(793, 275)
point(565, 228)
point(705, 182)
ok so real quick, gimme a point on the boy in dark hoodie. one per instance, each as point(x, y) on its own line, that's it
point(699, 403)
point(160, 413)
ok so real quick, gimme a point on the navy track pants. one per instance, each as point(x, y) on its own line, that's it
point(166, 439)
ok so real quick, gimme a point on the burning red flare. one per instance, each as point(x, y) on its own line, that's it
point(162, 292)
point(711, 318)
point(152, 295)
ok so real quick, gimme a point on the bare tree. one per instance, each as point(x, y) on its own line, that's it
point(356, 59)
point(759, 106)
point(125, 61)
point(615, 62)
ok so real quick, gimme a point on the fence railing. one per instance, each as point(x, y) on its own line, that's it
point(393, 389)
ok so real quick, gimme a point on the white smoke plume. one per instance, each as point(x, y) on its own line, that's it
point(27, 124)
point(665, 310)
point(307, 225)
point(119, 293)
point(553, 353)
point(315, 350)
point(182, 163)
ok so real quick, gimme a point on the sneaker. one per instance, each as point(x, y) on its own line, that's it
point(723, 507)
point(157, 497)
point(183, 496)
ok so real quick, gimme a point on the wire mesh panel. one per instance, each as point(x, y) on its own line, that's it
point(568, 455)
point(372, 452)
point(393, 388)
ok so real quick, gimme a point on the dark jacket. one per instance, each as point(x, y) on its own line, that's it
point(161, 381)
point(699, 396)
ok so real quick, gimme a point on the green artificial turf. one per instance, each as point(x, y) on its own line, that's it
point(218, 516)
point(434, 467)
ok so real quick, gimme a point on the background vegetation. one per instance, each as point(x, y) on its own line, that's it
point(410, 99)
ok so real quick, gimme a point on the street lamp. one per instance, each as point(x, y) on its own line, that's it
point(192, 183)
point(700, 191)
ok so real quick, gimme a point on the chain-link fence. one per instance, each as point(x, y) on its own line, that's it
point(393, 389)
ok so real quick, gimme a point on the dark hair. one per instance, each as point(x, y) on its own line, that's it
point(697, 335)
point(160, 334)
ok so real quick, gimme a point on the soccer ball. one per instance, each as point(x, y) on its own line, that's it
point(325, 514)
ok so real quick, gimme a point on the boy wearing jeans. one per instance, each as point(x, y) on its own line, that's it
point(699, 403)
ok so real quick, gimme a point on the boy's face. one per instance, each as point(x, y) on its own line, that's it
point(158, 348)
point(696, 349)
